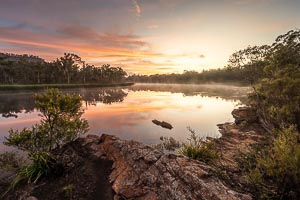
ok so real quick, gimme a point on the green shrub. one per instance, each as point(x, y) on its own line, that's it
point(41, 166)
point(198, 148)
point(61, 123)
point(275, 173)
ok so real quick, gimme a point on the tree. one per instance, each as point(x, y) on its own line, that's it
point(69, 63)
point(61, 123)
point(274, 73)
point(251, 61)
point(274, 172)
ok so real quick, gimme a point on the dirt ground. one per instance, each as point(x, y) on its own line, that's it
point(85, 177)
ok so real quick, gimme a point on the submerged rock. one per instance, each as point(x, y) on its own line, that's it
point(162, 124)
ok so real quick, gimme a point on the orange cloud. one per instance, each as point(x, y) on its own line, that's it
point(129, 51)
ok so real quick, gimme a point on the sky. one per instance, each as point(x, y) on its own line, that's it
point(144, 36)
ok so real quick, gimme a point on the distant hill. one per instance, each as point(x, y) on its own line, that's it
point(16, 57)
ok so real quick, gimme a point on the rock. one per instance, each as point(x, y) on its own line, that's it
point(136, 171)
point(142, 172)
point(166, 125)
point(244, 114)
point(162, 124)
point(156, 122)
point(236, 138)
point(6, 177)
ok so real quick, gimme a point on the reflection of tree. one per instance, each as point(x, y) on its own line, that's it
point(107, 96)
point(12, 103)
point(205, 90)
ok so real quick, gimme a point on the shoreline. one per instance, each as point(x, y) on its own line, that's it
point(140, 171)
point(61, 86)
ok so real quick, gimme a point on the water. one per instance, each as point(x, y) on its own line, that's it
point(127, 112)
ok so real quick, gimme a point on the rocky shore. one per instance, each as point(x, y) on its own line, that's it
point(107, 167)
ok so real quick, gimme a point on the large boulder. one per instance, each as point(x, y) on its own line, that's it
point(142, 172)
point(246, 114)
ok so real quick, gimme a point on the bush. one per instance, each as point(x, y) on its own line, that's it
point(276, 173)
point(198, 148)
point(61, 123)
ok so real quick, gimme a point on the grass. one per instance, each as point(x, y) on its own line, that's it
point(198, 148)
point(43, 86)
point(40, 167)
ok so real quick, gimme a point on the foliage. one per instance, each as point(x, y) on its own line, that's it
point(61, 123)
point(275, 74)
point(42, 163)
point(273, 170)
point(68, 69)
point(198, 148)
point(41, 166)
point(221, 75)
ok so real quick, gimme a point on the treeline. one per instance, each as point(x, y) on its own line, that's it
point(221, 75)
point(68, 69)
point(273, 168)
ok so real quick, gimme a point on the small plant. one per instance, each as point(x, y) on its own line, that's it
point(41, 167)
point(198, 148)
point(168, 144)
point(68, 189)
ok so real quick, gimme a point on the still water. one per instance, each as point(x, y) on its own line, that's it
point(127, 112)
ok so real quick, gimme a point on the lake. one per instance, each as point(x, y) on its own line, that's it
point(127, 112)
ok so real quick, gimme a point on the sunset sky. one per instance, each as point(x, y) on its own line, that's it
point(144, 36)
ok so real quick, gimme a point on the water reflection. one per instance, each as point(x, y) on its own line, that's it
point(14, 103)
point(227, 92)
point(128, 111)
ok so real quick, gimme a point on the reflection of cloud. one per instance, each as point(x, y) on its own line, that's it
point(164, 68)
point(19, 121)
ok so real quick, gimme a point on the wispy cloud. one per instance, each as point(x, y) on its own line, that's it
point(109, 39)
point(137, 7)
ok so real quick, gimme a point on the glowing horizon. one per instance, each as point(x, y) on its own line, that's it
point(144, 37)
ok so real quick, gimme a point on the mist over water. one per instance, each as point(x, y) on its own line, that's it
point(127, 112)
